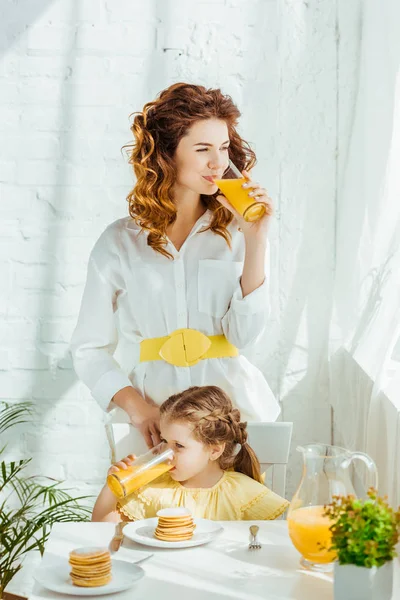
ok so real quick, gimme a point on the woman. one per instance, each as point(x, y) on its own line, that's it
point(183, 260)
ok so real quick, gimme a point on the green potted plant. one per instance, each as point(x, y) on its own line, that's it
point(28, 505)
point(364, 535)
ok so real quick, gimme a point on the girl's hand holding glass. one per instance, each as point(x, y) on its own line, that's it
point(121, 464)
point(131, 473)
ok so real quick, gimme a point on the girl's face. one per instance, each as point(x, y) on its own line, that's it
point(202, 154)
point(191, 456)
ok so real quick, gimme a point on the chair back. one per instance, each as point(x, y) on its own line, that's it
point(271, 443)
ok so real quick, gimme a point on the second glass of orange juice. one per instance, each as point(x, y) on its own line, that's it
point(231, 187)
point(142, 471)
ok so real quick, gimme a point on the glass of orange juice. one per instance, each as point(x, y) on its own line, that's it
point(142, 471)
point(231, 186)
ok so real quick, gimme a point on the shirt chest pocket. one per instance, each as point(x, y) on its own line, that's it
point(217, 281)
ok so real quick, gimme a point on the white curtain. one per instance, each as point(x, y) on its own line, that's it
point(366, 312)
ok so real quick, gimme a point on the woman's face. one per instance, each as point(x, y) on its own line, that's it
point(202, 154)
point(191, 457)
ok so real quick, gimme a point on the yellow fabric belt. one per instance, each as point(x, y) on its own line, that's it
point(186, 347)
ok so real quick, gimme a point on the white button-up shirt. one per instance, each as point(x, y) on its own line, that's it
point(133, 293)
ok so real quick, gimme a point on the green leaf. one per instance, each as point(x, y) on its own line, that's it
point(15, 414)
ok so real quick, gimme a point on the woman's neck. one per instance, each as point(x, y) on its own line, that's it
point(206, 479)
point(189, 206)
point(189, 210)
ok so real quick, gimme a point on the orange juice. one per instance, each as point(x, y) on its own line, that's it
point(309, 530)
point(125, 481)
point(239, 197)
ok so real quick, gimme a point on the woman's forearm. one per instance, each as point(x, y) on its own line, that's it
point(128, 399)
point(105, 508)
point(142, 413)
point(254, 264)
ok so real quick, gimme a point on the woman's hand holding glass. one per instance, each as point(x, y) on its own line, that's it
point(257, 228)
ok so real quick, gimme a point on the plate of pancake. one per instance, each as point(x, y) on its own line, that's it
point(172, 528)
point(87, 572)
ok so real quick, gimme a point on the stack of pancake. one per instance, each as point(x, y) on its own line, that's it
point(91, 567)
point(174, 525)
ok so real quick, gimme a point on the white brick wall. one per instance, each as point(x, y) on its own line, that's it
point(71, 72)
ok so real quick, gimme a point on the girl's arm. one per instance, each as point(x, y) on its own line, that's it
point(105, 508)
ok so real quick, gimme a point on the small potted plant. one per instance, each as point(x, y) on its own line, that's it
point(364, 535)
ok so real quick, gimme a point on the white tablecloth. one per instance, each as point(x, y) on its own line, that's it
point(222, 569)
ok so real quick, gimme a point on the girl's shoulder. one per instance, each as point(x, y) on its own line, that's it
point(234, 479)
point(255, 500)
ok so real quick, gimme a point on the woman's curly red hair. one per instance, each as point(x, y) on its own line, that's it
point(158, 130)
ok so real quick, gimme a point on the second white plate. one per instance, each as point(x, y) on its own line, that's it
point(142, 532)
point(53, 574)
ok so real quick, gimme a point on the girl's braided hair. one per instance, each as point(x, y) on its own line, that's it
point(210, 412)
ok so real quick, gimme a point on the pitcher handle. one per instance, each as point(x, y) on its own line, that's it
point(372, 471)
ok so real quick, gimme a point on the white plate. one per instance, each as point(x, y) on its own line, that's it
point(53, 574)
point(142, 532)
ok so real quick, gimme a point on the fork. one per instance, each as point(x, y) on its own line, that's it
point(254, 543)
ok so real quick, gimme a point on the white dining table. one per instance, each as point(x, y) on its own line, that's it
point(222, 569)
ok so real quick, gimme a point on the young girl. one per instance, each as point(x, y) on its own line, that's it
point(215, 472)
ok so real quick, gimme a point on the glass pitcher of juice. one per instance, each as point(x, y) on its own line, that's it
point(144, 469)
point(326, 473)
point(231, 186)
